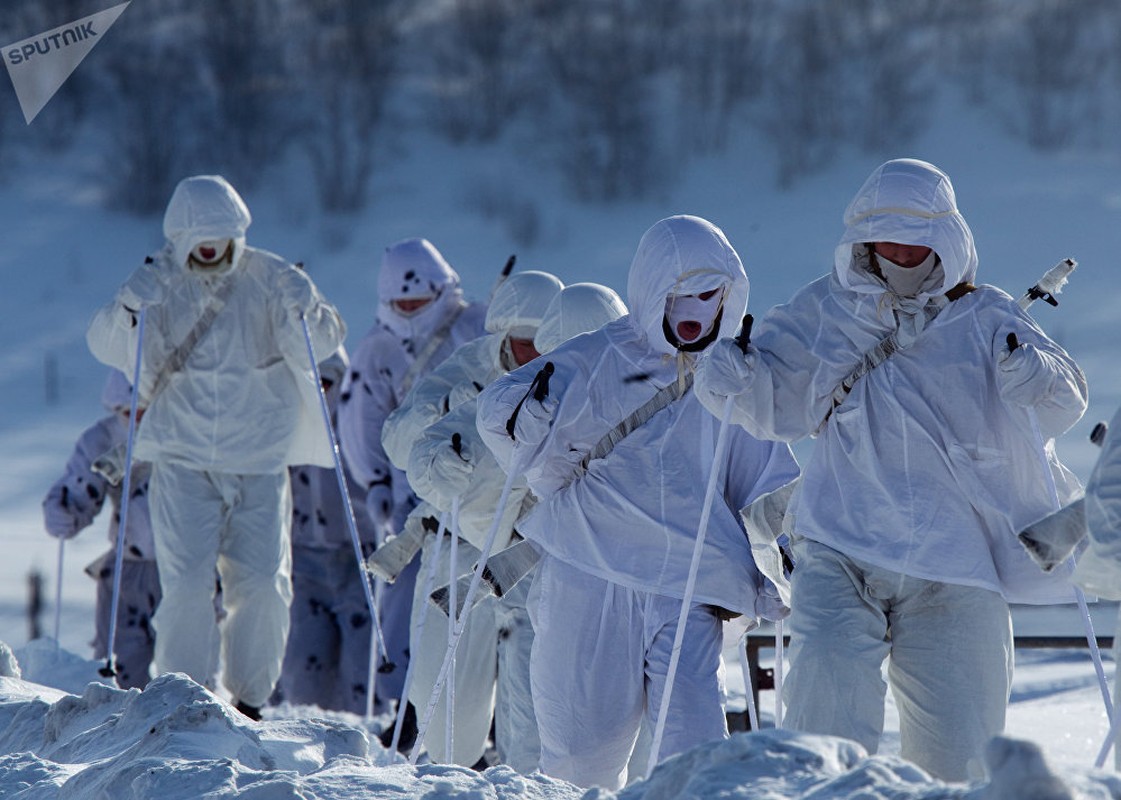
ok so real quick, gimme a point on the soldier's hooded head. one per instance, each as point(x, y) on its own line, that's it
point(205, 224)
point(910, 203)
point(417, 288)
point(687, 286)
point(579, 308)
point(516, 311)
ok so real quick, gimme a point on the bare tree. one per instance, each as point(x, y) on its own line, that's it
point(1054, 63)
point(346, 66)
point(802, 110)
point(246, 83)
point(721, 66)
point(607, 130)
point(157, 109)
point(481, 64)
point(889, 95)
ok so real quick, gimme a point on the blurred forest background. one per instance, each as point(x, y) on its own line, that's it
point(615, 95)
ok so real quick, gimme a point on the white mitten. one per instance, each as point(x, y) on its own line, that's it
point(296, 290)
point(725, 370)
point(147, 286)
point(535, 417)
point(450, 472)
point(1024, 376)
point(59, 521)
point(768, 604)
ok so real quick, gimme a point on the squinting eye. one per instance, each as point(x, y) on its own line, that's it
point(708, 295)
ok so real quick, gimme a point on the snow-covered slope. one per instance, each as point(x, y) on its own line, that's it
point(176, 740)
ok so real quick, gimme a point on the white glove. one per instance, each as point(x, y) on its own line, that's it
point(1024, 376)
point(147, 286)
point(450, 473)
point(296, 290)
point(1051, 540)
point(725, 370)
point(59, 520)
point(535, 417)
point(768, 604)
point(379, 503)
point(463, 392)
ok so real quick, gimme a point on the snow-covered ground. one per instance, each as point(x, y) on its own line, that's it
point(176, 740)
point(63, 255)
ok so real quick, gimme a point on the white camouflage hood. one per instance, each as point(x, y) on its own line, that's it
point(415, 268)
point(683, 255)
point(580, 308)
point(907, 201)
point(520, 302)
point(205, 208)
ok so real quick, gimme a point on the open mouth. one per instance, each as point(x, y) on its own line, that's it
point(688, 330)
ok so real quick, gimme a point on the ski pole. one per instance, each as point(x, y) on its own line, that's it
point(695, 562)
point(1110, 738)
point(461, 619)
point(540, 389)
point(453, 569)
point(1092, 641)
point(745, 668)
point(58, 590)
point(778, 673)
point(453, 589)
point(110, 668)
point(386, 665)
point(457, 446)
point(503, 275)
point(429, 579)
point(1079, 595)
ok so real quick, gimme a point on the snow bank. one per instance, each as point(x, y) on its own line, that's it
point(177, 740)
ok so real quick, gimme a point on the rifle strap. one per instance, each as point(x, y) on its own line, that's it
point(886, 347)
point(178, 357)
point(639, 417)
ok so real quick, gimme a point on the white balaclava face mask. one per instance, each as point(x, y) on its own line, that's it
point(691, 317)
point(212, 254)
point(908, 281)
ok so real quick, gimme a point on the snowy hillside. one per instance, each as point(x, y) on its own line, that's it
point(64, 253)
point(64, 256)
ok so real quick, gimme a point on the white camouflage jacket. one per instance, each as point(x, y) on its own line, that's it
point(927, 467)
point(632, 517)
point(382, 366)
point(245, 401)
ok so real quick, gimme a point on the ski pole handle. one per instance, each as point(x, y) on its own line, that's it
point(503, 275)
point(744, 335)
point(1097, 435)
point(542, 390)
point(1013, 342)
point(457, 445)
point(539, 388)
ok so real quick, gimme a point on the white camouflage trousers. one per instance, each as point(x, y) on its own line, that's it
point(239, 525)
point(950, 668)
point(139, 597)
point(600, 656)
point(475, 665)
